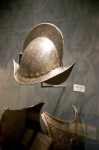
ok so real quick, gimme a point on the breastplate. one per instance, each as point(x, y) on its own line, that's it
point(21, 130)
point(65, 134)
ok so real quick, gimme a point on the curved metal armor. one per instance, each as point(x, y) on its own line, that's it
point(42, 57)
point(66, 135)
point(21, 130)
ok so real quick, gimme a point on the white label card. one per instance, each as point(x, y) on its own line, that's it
point(79, 88)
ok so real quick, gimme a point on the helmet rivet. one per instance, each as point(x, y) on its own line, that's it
point(53, 67)
point(31, 75)
point(48, 70)
point(37, 74)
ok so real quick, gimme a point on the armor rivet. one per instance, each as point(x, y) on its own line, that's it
point(48, 70)
point(53, 67)
point(37, 74)
point(31, 75)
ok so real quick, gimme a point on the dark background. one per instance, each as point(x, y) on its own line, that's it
point(79, 22)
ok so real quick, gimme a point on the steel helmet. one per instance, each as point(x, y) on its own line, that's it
point(42, 55)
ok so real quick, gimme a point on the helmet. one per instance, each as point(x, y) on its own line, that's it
point(41, 60)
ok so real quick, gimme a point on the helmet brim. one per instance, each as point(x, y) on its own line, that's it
point(55, 77)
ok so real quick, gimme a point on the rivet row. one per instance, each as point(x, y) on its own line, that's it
point(31, 75)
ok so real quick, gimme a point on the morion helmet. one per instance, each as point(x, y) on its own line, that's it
point(41, 60)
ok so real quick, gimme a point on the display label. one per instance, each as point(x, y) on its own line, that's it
point(79, 88)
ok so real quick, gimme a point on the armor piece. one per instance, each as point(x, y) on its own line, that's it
point(19, 129)
point(65, 134)
point(41, 142)
point(41, 60)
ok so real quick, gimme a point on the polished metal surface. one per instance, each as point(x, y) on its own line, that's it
point(49, 31)
point(39, 58)
point(42, 57)
point(65, 134)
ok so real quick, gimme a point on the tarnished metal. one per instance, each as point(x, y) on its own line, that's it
point(65, 134)
point(41, 142)
point(19, 129)
point(42, 57)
